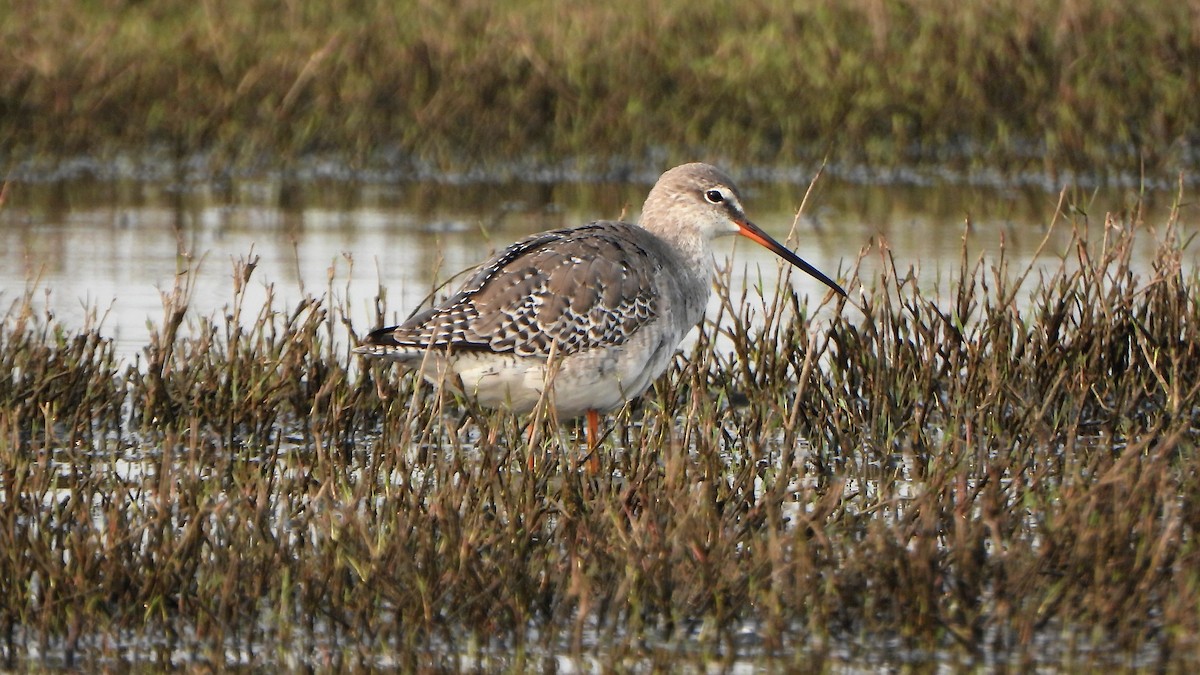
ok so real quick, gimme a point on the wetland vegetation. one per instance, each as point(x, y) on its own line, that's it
point(1100, 87)
point(1002, 471)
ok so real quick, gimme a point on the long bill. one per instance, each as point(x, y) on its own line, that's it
point(755, 233)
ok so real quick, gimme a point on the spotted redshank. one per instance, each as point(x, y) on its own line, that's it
point(585, 317)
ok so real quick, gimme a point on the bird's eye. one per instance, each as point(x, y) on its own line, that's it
point(714, 196)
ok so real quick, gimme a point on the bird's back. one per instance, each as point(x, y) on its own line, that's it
point(568, 290)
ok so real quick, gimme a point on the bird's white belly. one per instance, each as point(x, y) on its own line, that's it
point(596, 379)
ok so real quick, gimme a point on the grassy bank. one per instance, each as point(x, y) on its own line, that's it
point(982, 474)
point(1041, 84)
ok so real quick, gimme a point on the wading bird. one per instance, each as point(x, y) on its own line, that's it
point(584, 317)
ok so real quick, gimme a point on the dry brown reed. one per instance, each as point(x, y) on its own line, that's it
point(1000, 472)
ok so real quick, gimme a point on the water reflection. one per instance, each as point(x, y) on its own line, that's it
point(115, 245)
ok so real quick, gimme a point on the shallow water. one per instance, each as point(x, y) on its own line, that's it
point(114, 245)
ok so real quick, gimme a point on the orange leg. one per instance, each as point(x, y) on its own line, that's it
point(593, 428)
point(593, 441)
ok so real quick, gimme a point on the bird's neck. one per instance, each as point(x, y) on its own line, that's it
point(695, 258)
point(685, 241)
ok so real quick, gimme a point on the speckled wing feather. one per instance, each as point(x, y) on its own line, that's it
point(572, 289)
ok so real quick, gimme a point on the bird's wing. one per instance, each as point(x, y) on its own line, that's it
point(566, 290)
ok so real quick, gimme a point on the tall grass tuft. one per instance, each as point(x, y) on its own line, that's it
point(1046, 85)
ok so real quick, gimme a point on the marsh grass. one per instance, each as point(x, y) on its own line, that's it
point(1044, 84)
point(1002, 471)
